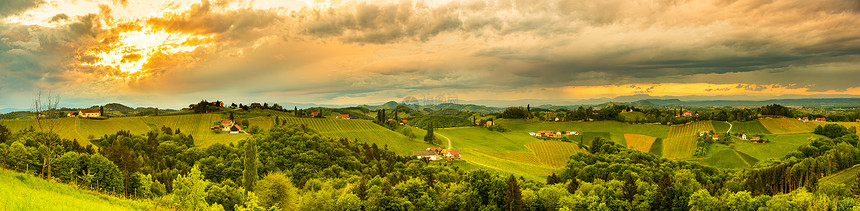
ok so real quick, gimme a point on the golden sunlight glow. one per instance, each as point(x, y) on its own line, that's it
point(132, 49)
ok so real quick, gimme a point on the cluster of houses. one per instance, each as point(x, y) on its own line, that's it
point(550, 133)
point(754, 139)
point(228, 126)
point(806, 119)
point(91, 113)
point(685, 114)
point(437, 154)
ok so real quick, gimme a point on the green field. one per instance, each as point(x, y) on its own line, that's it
point(554, 154)
point(24, 192)
point(749, 127)
point(787, 126)
point(720, 127)
point(778, 147)
point(724, 157)
point(689, 129)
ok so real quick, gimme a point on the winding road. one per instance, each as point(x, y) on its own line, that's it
point(446, 137)
point(730, 127)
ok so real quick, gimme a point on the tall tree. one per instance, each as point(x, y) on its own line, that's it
point(231, 116)
point(430, 137)
point(629, 188)
point(572, 185)
point(250, 173)
point(46, 111)
point(513, 195)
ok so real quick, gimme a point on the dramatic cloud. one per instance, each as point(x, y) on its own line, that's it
point(363, 52)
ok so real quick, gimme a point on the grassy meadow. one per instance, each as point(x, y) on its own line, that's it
point(20, 191)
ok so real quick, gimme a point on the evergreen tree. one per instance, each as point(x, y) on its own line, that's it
point(430, 137)
point(629, 188)
point(513, 195)
point(296, 110)
point(572, 186)
point(553, 179)
point(250, 173)
point(231, 117)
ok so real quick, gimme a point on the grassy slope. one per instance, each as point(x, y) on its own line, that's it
point(720, 127)
point(639, 142)
point(843, 177)
point(749, 127)
point(727, 158)
point(356, 129)
point(787, 126)
point(682, 139)
point(24, 192)
point(778, 147)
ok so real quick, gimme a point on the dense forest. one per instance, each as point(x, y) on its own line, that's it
point(292, 167)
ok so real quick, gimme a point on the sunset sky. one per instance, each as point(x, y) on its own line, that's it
point(173, 53)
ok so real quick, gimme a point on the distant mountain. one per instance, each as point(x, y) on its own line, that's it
point(810, 102)
point(10, 110)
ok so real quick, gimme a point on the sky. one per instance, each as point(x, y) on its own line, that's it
point(339, 52)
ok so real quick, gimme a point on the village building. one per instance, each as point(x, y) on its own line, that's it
point(226, 124)
point(315, 114)
point(402, 122)
point(489, 123)
point(576, 133)
point(820, 119)
point(72, 114)
point(90, 113)
point(688, 113)
point(235, 129)
point(744, 136)
point(453, 154)
point(715, 136)
point(218, 103)
point(256, 105)
point(425, 154)
point(702, 133)
point(343, 116)
point(755, 139)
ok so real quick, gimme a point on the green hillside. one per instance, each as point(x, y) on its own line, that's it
point(749, 127)
point(24, 192)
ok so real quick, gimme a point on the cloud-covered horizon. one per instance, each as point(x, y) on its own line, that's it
point(352, 52)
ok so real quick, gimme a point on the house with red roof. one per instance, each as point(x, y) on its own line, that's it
point(343, 116)
point(688, 113)
point(235, 129)
point(90, 113)
point(453, 154)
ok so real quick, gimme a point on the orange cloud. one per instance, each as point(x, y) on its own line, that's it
point(696, 89)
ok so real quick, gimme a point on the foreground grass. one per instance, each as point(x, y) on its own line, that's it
point(20, 191)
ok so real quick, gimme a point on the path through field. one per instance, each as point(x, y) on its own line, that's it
point(446, 137)
point(730, 127)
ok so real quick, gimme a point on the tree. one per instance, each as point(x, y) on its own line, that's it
point(250, 173)
point(5, 134)
point(190, 190)
point(572, 186)
point(629, 188)
point(513, 195)
point(231, 116)
point(276, 189)
point(430, 137)
point(46, 110)
point(553, 179)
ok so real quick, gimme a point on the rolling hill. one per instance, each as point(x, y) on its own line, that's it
point(24, 192)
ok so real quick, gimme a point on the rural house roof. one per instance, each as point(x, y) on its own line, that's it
point(343, 116)
point(227, 121)
point(236, 128)
point(455, 153)
point(90, 111)
point(424, 153)
point(315, 113)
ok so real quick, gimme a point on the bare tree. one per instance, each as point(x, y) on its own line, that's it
point(46, 115)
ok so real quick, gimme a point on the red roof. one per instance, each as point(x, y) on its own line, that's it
point(403, 120)
point(715, 136)
point(226, 121)
point(315, 113)
point(688, 112)
point(237, 127)
point(343, 116)
point(90, 111)
point(455, 153)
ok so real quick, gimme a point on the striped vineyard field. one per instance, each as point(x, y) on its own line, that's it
point(521, 157)
point(554, 154)
point(690, 129)
point(196, 125)
point(64, 127)
point(679, 147)
point(786, 126)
